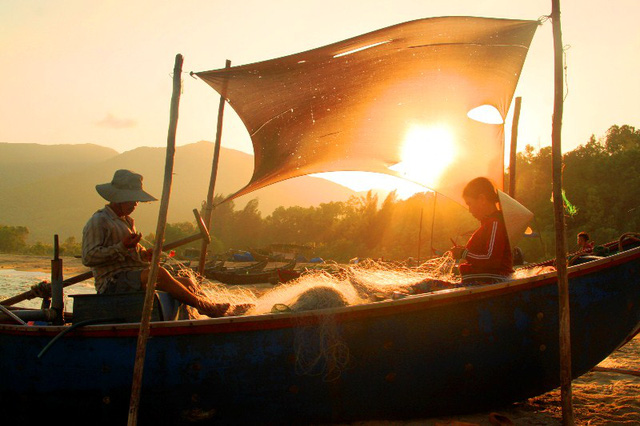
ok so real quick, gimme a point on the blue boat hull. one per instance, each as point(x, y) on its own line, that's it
point(460, 351)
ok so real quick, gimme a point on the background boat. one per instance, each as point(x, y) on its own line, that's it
point(249, 276)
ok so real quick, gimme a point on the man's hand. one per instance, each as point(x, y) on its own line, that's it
point(131, 240)
point(146, 255)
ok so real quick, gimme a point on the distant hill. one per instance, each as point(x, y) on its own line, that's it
point(51, 188)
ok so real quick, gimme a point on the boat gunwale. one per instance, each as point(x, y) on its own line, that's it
point(341, 314)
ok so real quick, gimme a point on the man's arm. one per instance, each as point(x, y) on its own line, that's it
point(94, 250)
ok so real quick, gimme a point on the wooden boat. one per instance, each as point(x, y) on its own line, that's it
point(249, 276)
point(454, 351)
point(286, 275)
point(260, 256)
point(254, 267)
point(215, 265)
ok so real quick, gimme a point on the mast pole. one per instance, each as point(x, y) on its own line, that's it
point(208, 210)
point(157, 249)
point(420, 234)
point(561, 243)
point(514, 147)
point(433, 220)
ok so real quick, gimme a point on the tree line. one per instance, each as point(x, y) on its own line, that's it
point(601, 180)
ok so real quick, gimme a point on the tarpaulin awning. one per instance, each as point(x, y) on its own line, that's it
point(392, 101)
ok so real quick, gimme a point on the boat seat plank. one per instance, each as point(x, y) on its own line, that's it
point(127, 306)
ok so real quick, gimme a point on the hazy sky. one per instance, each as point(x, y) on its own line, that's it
point(82, 71)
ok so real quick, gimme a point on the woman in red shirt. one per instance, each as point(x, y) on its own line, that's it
point(487, 257)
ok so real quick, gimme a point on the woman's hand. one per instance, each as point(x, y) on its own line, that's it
point(456, 251)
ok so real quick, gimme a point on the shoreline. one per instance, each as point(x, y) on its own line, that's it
point(32, 263)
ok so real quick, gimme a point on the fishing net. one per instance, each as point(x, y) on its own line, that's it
point(318, 343)
point(319, 347)
point(317, 289)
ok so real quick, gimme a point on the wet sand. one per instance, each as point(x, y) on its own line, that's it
point(599, 398)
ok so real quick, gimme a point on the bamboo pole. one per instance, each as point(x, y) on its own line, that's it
point(57, 296)
point(153, 273)
point(514, 148)
point(617, 371)
point(433, 221)
point(208, 211)
point(420, 235)
point(561, 243)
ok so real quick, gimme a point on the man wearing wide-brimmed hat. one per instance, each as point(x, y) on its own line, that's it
point(110, 247)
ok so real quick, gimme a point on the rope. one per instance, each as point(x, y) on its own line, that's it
point(617, 370)
point(42, 290)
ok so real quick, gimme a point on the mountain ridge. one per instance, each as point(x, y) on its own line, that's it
point(55, 192)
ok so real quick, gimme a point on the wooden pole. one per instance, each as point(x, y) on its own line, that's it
point(57, 297)
point(558, 207)
point(30, 294)
point(433, 220)
point(420, 235)
point(514, 148)
point(162, 220)
point(208, 211)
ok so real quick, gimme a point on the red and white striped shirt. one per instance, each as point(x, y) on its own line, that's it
point(488, 253)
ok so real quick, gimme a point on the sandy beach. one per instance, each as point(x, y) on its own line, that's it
point(599, 398)
point(22, 262)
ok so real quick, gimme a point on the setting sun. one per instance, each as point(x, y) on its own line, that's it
point(426, 154)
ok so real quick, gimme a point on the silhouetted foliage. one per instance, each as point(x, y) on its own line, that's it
point(601, 178)
point(13, 238)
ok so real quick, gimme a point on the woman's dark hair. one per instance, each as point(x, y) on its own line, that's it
point(584, 235)
point(481, 186)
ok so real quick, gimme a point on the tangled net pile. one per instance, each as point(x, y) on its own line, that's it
point(368, 281)
point(318, 345)
point(317, 339)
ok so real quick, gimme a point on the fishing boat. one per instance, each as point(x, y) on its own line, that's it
point(250, 276)
point(253, 267)
point(461, 350)
point(453, 351)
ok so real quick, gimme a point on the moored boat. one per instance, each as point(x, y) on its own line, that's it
point(253, 267)
point(249, 276)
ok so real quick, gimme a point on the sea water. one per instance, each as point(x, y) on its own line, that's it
point(13, 282)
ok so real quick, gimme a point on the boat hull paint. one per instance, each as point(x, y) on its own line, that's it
point(422, 356)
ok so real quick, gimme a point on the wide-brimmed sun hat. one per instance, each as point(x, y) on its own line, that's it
point(125, 186)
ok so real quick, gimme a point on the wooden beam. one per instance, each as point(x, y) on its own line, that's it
point(514, 148)
point(558, 210)
point(208, 210)
point(155, 260)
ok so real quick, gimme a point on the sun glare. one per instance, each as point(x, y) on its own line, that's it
point(364, 181)
point(426, 154)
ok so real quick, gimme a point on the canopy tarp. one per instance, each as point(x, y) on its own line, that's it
point(392, 101)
